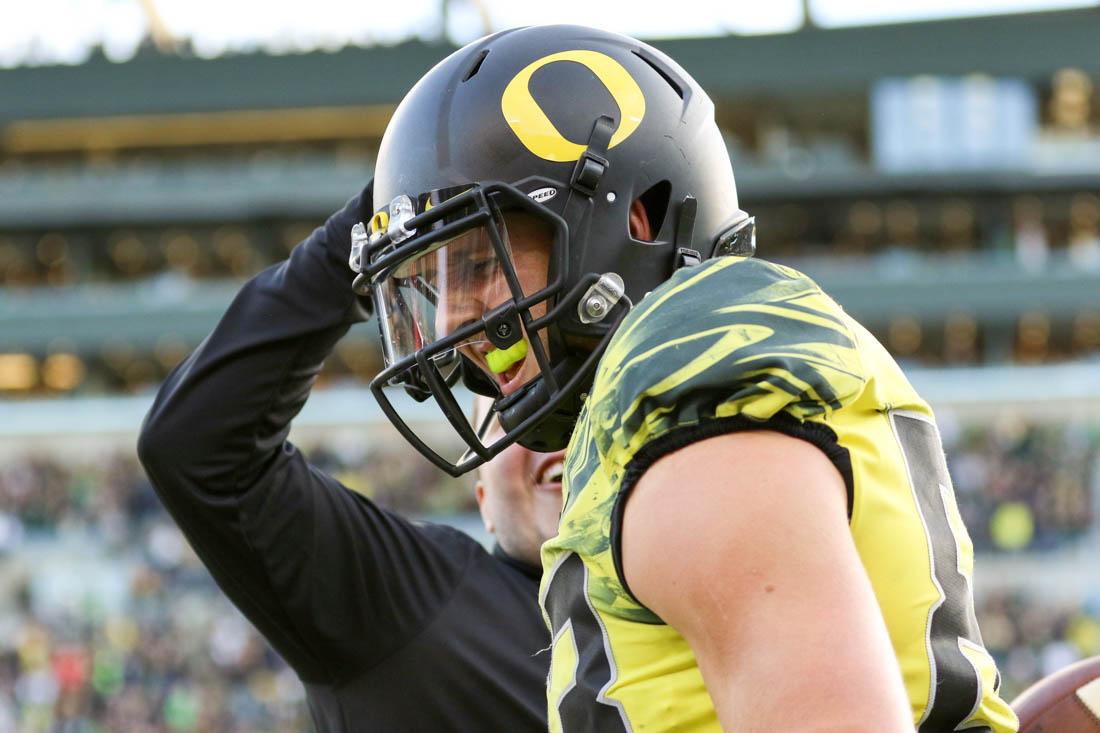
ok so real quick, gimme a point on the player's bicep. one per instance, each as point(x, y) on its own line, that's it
point(741, 543)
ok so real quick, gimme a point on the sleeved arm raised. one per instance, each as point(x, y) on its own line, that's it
point(329, 578)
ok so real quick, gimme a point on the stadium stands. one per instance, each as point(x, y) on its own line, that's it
point(116, 622)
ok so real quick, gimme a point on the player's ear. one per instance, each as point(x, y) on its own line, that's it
point(479, 494)
point(640, 227)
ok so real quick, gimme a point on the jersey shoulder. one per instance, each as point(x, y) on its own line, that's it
point(731, 337)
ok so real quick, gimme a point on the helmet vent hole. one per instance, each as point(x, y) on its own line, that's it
point(655, 200)
point(664, 73)
point(476, 65)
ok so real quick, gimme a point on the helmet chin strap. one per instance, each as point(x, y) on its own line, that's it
point(553, 432)
point(593, 163)
point(573, 375)
point(587, 173)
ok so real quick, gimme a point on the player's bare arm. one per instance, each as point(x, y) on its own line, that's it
point(758, 571)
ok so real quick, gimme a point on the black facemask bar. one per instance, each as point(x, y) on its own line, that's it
point(475, 207)
point(560, 382)
point(420, 373)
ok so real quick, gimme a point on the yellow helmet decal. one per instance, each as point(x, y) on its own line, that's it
point(535, 130)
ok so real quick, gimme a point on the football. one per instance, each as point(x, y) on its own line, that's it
point(1067, 701)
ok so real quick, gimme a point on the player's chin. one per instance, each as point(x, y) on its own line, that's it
point(546, 532)
point(511, 380)
point(518, 376)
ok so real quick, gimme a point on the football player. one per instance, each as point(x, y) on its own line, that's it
point(759, 531)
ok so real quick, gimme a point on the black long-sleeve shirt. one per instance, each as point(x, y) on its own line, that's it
point(391, 625)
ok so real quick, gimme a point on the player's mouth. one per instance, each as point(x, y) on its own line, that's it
point(549, 473)
point(512, 378)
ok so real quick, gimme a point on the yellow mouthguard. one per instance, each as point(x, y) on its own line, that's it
point(501, 359)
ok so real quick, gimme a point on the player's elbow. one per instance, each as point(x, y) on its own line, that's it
point(174, 470)
point(163, 446)
point(154, 445)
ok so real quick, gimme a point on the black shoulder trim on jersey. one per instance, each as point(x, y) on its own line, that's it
point(816, 433)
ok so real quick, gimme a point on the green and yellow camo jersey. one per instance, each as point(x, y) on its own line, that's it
point(736, 344)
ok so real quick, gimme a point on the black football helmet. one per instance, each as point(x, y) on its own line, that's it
point(523, 153)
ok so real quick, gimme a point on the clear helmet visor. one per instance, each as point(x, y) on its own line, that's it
point(432, 295)
point(444, 291)
point(434, 308)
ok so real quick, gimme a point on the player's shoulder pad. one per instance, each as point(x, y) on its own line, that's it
point(732, 336)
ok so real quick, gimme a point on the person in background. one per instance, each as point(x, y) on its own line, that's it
point(392, 625)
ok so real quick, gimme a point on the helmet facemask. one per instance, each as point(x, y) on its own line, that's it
point(468, 291)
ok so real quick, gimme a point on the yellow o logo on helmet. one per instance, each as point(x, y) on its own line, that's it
point(535, 130)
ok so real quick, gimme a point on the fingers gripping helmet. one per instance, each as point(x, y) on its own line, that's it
point(523, 153)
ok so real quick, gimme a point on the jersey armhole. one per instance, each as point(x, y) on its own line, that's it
point(812, 432)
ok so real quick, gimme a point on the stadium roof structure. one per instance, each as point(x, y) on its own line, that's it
point(372, 80)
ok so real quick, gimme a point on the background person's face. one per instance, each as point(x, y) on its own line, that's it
point(519, 495)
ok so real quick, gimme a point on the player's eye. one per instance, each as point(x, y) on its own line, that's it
point(475, 271)
point(483, 268)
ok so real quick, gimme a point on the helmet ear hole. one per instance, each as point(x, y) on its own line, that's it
point(655, 202)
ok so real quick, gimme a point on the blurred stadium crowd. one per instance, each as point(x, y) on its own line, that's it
point(116, 626)
point(1025, 485)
